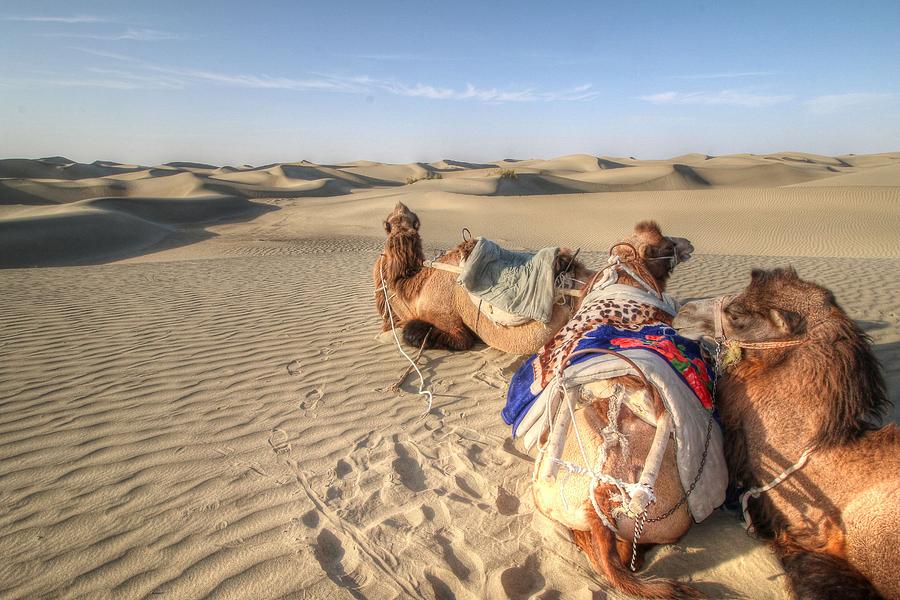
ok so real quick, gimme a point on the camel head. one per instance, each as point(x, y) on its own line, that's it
point(777, 305)
point(659, 253)
point(833, 359)
point(403, 255)
point(401, 220)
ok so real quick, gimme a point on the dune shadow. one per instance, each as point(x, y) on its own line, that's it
point(121, 228)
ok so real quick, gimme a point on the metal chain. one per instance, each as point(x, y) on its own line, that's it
point(709, 425)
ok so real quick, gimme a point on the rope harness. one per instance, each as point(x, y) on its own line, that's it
point(634, 498)
point(756, 492)
point(390, 316)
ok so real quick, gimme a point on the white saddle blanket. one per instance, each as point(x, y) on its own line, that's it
point(690, 419)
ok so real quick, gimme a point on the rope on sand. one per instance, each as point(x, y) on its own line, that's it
point(390, 314)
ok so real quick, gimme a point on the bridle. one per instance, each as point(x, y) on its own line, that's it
point(723, 341)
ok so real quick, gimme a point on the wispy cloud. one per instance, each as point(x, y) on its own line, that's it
point(141, 74)
point(721, 98)
point(189, 76)
point(730, 75)
point(60, 19)
point(471, 92)
point(398, 57)
point(136, 34)
point(105, 54)
point(831, 103)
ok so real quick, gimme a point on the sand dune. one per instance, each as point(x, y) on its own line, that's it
point(208, 413)
point(888, 176)
point(60, 180)
point(92, 230)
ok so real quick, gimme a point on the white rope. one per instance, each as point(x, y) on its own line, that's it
point(387, 303)
point(757, 491)
point(626, 489)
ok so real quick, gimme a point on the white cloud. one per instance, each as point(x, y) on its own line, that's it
point(831, 103)
point(722, 98)
point(50, 19)
point(142, 74)
point(136, 34)
point(471, 92)
point(733, 75)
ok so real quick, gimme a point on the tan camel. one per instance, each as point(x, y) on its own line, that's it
point(429, 302)
point(611, 553)
point(806, 380)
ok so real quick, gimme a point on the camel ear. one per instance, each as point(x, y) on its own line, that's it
point(387, 227)
point(787, 321)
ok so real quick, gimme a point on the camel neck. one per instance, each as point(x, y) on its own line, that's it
point(778, 416)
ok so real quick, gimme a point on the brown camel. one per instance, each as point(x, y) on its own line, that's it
point(611, 553)
point(806, 379)
point(433, 309)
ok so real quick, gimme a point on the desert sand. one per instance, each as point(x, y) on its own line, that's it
point(194, 395)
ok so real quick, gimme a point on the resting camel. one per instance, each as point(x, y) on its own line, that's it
point(585, 507)
point(434, 310)
point(806, 380)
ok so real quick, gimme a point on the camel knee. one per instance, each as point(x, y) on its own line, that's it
point(422, 333)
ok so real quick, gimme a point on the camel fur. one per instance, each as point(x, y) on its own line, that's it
point(835, 523)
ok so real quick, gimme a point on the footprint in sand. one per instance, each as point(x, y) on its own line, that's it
point(278, 440)
point(342, 469)
point(440, 589)
point(311, 399)
point(458, 556)
point(408, 469)
point(310, 519)
point(293, 368)
point(523, 581)
point(507, 504)
point(330, 554)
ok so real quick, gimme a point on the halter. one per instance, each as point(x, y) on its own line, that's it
point(723, 340)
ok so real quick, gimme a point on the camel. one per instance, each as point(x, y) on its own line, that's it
point(799, 404)
point(435, 312)
point(590, 510)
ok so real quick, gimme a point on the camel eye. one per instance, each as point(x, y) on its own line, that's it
point(735, 315)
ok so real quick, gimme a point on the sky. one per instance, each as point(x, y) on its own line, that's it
point(237, 82)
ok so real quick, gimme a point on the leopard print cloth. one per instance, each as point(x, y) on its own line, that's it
point(624, 314)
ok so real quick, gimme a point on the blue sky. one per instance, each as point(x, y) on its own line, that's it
point(241, 82)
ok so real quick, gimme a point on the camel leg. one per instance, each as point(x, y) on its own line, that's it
point(815, 575)
point(602, 549)
point(867, 538)
point(452, 338)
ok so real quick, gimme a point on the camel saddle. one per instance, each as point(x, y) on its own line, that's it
point(510, 287)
